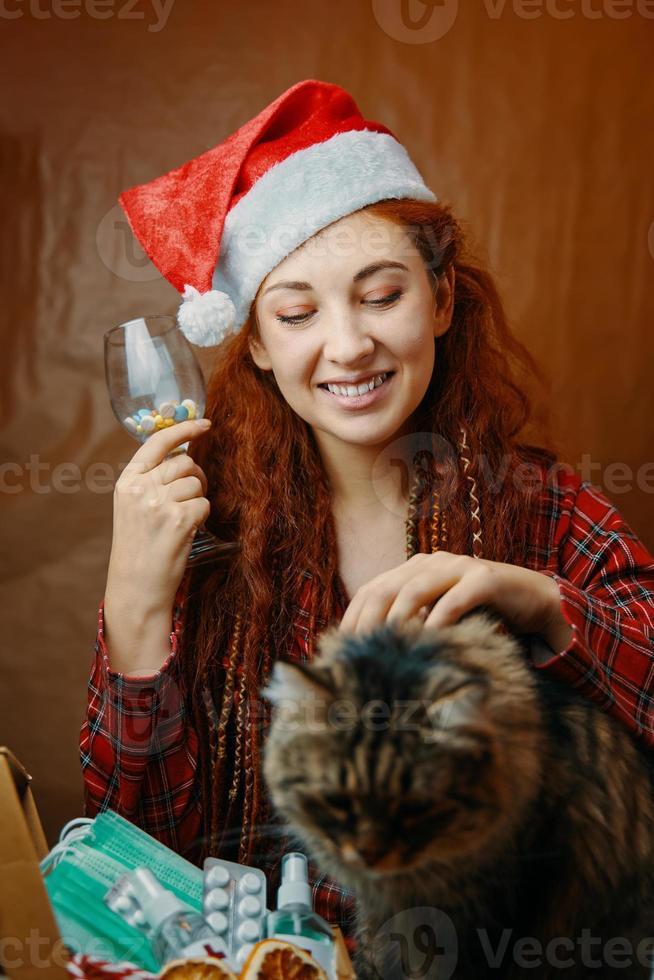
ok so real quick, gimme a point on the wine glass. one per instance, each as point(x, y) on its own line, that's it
point(155, 381)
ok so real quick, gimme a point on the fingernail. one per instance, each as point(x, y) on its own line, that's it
point(205, 423)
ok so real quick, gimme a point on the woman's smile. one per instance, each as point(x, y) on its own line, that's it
point(353, 402)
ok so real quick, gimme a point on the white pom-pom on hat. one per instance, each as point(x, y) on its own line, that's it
point(206, 318)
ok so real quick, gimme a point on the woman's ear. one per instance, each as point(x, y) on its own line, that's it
point(259, 354)
point(444, 307)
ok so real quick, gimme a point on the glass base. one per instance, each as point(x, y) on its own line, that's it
point(206, 548)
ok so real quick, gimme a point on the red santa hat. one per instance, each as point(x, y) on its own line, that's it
point(216, 226)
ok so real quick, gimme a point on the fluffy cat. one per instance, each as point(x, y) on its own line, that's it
point(490, 820)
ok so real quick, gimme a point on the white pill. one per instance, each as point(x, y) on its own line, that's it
point(130, 424)
point(138, 918)
point(166, 410)
point(189, 403)
point(249, 906)
point(121, 904)
point(216, 877)
point(243, 954)
point(216, 899)
point(250, 883)
point(148, 424)
point(248, 931)
point(217, 921)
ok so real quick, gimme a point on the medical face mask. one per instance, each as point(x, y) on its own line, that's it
point(86, 924)
point(90, 857)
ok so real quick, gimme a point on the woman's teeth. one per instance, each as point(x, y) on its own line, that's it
point(352, 390)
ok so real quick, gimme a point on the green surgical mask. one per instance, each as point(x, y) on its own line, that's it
point(84, 865)
point(131, 847)
point(87, 925)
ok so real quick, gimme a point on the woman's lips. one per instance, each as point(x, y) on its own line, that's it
point(354, 402)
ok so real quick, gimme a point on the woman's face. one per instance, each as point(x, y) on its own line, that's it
point(352, 302)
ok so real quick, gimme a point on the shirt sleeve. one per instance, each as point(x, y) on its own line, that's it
point(605, 577)
point(138, 751)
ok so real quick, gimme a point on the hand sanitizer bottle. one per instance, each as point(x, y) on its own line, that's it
point(176, 930)
point(295, 921)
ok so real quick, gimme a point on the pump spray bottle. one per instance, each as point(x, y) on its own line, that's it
point(176, 930)
point(295, 921)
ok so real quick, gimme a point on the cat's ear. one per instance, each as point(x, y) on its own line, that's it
point(298, 682)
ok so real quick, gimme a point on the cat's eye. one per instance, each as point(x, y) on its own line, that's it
point(414, 809)
point(337, 801)
point(441, 819)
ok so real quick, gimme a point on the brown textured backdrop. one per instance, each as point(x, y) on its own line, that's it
point(534, 122)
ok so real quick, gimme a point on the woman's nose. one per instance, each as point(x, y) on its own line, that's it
point(346, 340)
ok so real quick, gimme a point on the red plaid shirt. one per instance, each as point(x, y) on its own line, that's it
point(139, 751)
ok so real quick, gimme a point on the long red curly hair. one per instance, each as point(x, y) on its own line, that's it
point(269, 493)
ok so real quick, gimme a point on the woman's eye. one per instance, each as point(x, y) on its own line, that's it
point(384, 301)
point(300, 318)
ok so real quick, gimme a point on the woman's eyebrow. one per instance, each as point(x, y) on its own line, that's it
point(368, 270)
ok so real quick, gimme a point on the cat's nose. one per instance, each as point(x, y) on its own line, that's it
point(371, 853)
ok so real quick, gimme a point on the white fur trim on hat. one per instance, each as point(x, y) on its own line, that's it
point(297, 197)
point(205, 318)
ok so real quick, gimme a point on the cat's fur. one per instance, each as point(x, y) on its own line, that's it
point(486, 797)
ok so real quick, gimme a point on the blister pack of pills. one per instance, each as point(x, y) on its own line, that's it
point(234, 905)
point(122, 899)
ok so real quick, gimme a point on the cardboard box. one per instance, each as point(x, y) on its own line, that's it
point(30, 945)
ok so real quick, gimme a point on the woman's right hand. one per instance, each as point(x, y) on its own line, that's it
point(158, 505)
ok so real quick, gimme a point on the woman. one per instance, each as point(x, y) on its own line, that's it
point(418, 497)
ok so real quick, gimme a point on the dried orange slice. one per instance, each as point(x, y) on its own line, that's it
point(273, 959)
point(197, 968)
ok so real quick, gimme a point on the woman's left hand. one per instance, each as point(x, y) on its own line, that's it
point(527, 600)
